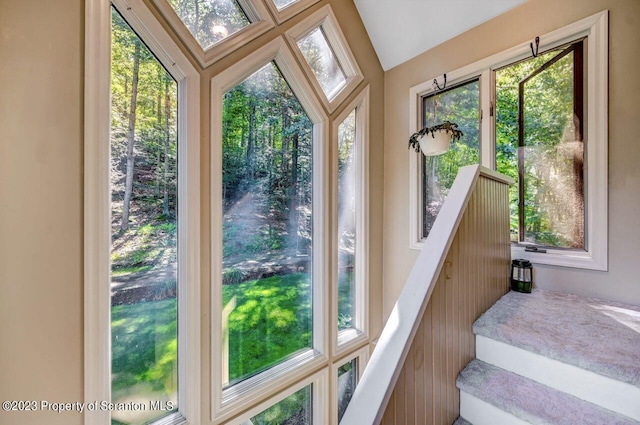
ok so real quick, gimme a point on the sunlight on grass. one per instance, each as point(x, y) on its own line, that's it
point(272, 321)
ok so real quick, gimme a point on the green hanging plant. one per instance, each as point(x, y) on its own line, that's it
point(447, 126)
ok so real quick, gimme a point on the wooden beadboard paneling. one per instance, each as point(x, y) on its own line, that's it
point(474, 277)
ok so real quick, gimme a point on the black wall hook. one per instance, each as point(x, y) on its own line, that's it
point(535, 54)
point(444, 84)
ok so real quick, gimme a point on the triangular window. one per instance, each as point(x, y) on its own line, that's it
point(212, 29)
point(210, 21)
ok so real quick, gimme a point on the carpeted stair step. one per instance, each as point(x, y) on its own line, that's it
point(493, 396)
point(586, 347)
point(461, 421)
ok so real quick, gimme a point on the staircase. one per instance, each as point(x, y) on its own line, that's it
point(550, 358)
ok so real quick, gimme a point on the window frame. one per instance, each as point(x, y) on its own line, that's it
point(433, 91)
point(255, 10)
point(325, 19)
point(289, 11)
point(594, 29)
point(363, 358)
point(348, 339)
point(319, 394)
point(97, 195)
point(227, 402)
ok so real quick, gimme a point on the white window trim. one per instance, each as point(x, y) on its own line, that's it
point(595, 28)
point(416, 94)
point(363, 357)
point(350, 338)
point(290, 10)
point(257, 12)
point(319, 393)
point(227, 403)
point(325, 18)
point(97, 206)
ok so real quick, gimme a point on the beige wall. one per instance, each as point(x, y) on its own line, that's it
point(519, 25)
point(41, 206)
point(41, 195)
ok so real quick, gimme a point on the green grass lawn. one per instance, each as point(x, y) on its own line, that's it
point(271, 321)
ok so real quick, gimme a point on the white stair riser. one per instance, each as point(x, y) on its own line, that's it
point(479, 412)
point(608, 393)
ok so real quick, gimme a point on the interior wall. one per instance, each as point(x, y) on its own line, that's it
point(41, 186)
point(41, 194)
point(520, 25)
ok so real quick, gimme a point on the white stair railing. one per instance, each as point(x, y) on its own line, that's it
point(372, 394)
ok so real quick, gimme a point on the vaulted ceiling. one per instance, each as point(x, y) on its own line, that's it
point(402, 29)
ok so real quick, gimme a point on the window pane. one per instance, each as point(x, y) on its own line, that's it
point(144, 220)
point(267, 229)
point(210, 21)
point(546, 154)
point(460, 105)
point(319, 55)
point(281, 4)
point(347, 172)
point(347, 381)
point(293, 410)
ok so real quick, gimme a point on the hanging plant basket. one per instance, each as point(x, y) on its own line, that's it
point(435, 140)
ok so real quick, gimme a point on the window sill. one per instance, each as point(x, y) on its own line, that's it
point(562, 258)
point(268, 383)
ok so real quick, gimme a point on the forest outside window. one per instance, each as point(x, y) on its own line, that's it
point(141, 157)
point(212, 29)
point(268, 261)
point(459, 104)
point(544, 124)
point(540, 144)
point(267, 232)
point(211, 21)
point(350, 250)
point(144, 251)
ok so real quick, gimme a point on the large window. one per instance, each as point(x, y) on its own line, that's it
point(350, 248)
point(144, 257)
point(539, 143)
point(141, 231)
point(270, 200)
point(267, 179)
point(543, 122)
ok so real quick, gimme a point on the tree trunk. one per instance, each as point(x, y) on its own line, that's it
point(250, 156)
point(293, 191)
point(167, 141)
point(128, 187)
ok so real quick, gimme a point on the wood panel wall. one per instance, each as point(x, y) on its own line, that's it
point(474, 277)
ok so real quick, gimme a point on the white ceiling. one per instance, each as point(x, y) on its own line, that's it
point(402, 29)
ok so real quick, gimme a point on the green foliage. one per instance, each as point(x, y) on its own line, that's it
point(447, 126)
point(127, 270)
point(552, 209)
point(459, 104)
point(293, 410)
point(144, 347)
point(271, 320)
point(231, 276)
point(210, 21)
point(346, 298)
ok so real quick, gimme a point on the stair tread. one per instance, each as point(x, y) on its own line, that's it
point(596, 335)
point(531, 401)
point(461, 421)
